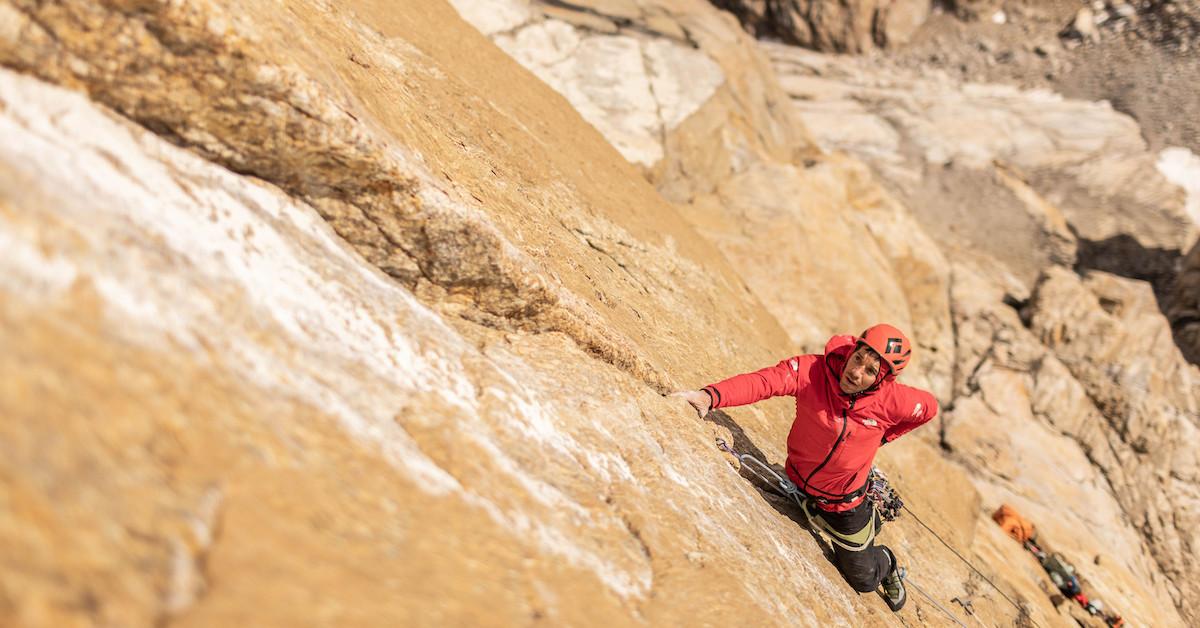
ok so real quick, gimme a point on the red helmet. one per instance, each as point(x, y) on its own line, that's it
point(891, 344)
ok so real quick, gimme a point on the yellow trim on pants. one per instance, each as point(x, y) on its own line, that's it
point(856, 542)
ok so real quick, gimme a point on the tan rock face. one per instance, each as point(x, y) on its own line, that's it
point(326, 313)
point(217, 413)
point(412, 201)
point(1034, 435)
point(741, 169)
point(1109, 334)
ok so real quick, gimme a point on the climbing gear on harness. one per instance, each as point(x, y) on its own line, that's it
point(855, 542)
point(893, 583)
point(887, 501)
point(891, 344)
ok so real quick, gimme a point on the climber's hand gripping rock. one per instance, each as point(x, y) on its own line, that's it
point(697, 398)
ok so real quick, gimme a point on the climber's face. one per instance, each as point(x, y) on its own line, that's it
point(862, 369)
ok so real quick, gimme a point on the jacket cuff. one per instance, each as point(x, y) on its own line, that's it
point(714, 396)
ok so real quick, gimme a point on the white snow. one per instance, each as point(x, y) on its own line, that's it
point(1182, 167)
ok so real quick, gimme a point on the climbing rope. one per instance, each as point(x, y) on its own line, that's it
point(789, 490)
point(906, 579)
point(969, 608)
point(1020, 610)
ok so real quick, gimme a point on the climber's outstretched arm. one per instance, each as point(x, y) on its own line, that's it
point(786, 378)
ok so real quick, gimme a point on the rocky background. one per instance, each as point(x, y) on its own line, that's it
point(322, 313)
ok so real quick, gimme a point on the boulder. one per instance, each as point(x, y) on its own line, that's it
point(855, 26)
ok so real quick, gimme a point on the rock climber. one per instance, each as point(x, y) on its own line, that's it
point(848, 404)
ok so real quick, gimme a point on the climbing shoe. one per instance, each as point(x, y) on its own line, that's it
point(892, 587)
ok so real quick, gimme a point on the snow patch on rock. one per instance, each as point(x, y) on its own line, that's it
point(1182, 167)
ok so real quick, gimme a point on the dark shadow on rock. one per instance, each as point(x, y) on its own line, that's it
point(1123, 255)
point(783, 505)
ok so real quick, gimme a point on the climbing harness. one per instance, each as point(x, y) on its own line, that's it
point(885, 500)
point(856, 542)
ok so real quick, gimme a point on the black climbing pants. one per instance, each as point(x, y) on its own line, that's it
point(863, 570)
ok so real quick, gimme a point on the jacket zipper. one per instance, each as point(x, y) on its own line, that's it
point(836, 443)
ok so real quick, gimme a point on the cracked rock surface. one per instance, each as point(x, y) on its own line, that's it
point(216, 409)
point(322, 313)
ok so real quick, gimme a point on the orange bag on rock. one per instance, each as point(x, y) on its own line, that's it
point(1014, 524)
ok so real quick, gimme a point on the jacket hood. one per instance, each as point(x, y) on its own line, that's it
point(837, 353)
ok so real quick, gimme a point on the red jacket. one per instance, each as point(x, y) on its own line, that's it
point(835, 436)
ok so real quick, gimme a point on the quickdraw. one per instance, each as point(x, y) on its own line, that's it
point(887, 501)
point(765, 473)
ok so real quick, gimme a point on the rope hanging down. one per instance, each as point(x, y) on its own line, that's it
point(789, 490)
point(906, 579)
point(960, 557)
